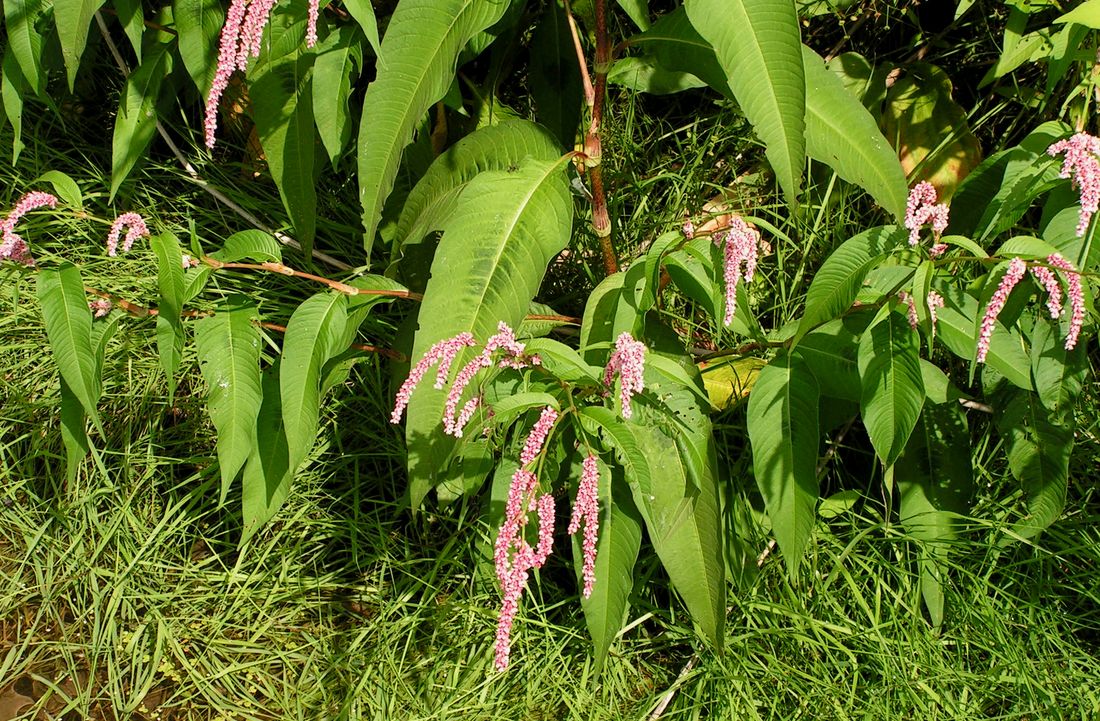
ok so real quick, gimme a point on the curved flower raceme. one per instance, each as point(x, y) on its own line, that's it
point(136, 228)
point(934, 301)
point(586, 509)
point(628, 360)
point(922, 208)
point(1082, 165)
point(12, 245)
point(741, 248)
point(1016, 269)
point(1076, 297)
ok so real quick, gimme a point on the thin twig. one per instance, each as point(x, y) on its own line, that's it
point(291, 272)
point(194, 176)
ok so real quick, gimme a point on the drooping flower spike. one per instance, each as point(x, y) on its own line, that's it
point(136, 228)
point(910, 308)
point(1016, 269)
point(741, 249)
point(586, 509)
point(934, 301)
point(12, 245)
point(1076, 297)
point(628, 360)
point(1082, 166)
point(443, 353)
point(921, 208)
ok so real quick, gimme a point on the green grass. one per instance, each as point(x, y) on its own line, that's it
point(124, 594)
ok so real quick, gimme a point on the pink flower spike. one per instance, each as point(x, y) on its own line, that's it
point(136, 229)
point(688, 229)
point(741, 250)
point(1012, 276)
point(227, 62)
point(586, 508)
point(934, 301)
point(447, 356)
point(537, 437)
point(311, 25)
point(545, 509)
point(453, 421)
point(1076, 297)
point(1053, 288)
point(1082, 166)
point(12, 245)
point(921, 208)
point(432, 356)
point(911, 308)
point(252, 31)
point(100, 307)
point(628, 359)
point(937, 250)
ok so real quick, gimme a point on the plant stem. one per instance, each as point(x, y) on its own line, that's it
point(601, 219)
point(334, 284)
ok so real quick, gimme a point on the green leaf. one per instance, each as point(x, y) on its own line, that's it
point(416, 65)
point(598, 420)
point(837, 282)
point(783, 431)
point(136, 122)
point(228, 344)
point(363, 12)
point(620, 539)
point(267, 474)
point(489, 264)
point(24, 40)
point(282, 106)
point(198, 25)
point(338, 60)
point(553, 76)
point(1087, 14)
point(606, 316)
point(757, 44)
point(494, 147)
point(646, 74)
point(935, 482)
point(1058, 374)
point(893, 387)
point(131, 18)
point(73, 18)
point(312, 338)
point(69, 330)
point(64, 187)
point(1039, 449)
point(170, 331)
point(563, 362)
point(252, 245)
point(13, 87)
point(830, 352)
point(841, 133)
point(638, 11)
point(685, 527)
point(74, 435)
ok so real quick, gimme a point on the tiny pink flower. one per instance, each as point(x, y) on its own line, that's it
point(921, 208)
point(100, 307)
point(628, 360)
point(741, 250)
point(1076, 297)
point(934, 301)
point(586, 509)
point(537, 438)
point(1016, 269)
point(911, 308)
point(136, 229)
point(1083, 167)
point(1053, 288)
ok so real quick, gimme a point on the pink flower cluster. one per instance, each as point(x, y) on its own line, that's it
point(241, 39)
point(910, 308)
point(137, 229)
point(1083, 166)
point(12, 245)
point(934, 302)
point(628, 360)
point(100, 307)
point(921, 209)
point(586, 509)
point(513, 555)
point(1049, 281)
point(503, 343)
point(741, 247)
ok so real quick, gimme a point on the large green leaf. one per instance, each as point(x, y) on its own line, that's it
point(1058, 374)
point(338, 59)
point(170, 281)
point(363, 12)
point(136, 122)
point(757, 44)
point(73, 18)
point(228, 345)
point(416, 66)
point(684, 524)
point(74, 435)
point(1039, 448)
point(783, 431)
point(69, 330)
point(313, 337)
point(616, 553)
point(198, 25)
point(489, 264)
point(830, 351)
point(607, 314)
point(266, 480)
point(282, 105)
point(130, 16)
point(494, 147)
point(893, 387)
point(24, 40)
point(935, 483)
point(837, 282)
point(841, 133)
point(13, 87)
